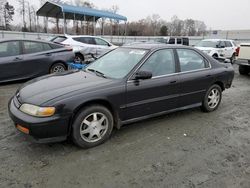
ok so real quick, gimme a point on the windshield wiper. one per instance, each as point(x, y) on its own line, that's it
point(98, 73)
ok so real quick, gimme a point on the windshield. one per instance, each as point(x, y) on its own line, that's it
point(118, 63)
point(210, 44)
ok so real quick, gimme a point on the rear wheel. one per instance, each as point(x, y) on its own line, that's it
point(79, 58)
point(215, 56)
point(212, 98)
point(57, 67)
point(244, 70)
point(92, 126)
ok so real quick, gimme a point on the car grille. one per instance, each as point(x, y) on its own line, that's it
point(17, 103)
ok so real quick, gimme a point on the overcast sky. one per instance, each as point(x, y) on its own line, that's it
point(217, 14)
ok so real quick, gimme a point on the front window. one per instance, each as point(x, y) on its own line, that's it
point(9, 49)
point(118, 63)
point(209, 44)
point(160, 63)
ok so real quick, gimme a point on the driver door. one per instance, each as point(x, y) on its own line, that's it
point(155, 95)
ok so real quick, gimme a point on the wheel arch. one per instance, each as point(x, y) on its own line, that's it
point(221, 84)
point(102, 102)
point(58, 61)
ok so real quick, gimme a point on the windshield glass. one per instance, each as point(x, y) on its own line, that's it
point(210, 44)
point(118, 63)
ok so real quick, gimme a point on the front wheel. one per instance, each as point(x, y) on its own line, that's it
point(92, 126)
point(212, 98)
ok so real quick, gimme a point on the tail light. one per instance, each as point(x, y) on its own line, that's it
point(237, 51)
point(69, 48)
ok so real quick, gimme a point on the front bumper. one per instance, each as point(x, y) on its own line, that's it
point(43, 130)
point(242, 62)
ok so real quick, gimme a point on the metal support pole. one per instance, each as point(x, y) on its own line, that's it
point(64, 24)
point(85, 24)
point(74, 23)
point(94, 25)
point(47, 19)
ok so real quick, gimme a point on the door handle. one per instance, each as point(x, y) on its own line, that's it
point(208, 75)
point(48, 54)
point(17, 59)
point(173, 82)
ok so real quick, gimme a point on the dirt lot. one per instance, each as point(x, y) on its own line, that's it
point(184, 149)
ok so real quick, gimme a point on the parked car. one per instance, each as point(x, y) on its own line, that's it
point(128, 84)
point(85, 46)
point(243, 59)
point(174, 40)
point(23, 59)
point(219, 48)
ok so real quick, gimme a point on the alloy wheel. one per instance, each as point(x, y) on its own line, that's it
point(213, 98)
point(94, 127)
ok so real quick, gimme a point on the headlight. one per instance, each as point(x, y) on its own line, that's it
point(37, 111)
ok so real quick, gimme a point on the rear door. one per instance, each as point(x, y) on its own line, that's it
point(158, 94)
point(195, 77)
point(37, 58)
point(229, 49)
point(10, 60)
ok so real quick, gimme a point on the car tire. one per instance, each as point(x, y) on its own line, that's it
point(79, 58)
point(244, 70)
point(57, 67)
point(92, 126)
point(212, 98)
point(215, 56)
point(232, 59)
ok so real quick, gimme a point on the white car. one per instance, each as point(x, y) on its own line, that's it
point(218, 48)
point(84, 45)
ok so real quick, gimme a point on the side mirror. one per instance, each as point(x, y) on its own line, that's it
point(143, 75)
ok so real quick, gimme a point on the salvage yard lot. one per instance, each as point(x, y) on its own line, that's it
point(184, 149)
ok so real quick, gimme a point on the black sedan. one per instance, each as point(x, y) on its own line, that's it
point(126, 85)
point(23, 59)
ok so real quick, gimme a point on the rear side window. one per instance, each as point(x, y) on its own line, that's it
point(59, 39)
point(101, 42)
point(222, 44)
point(179, 41)
point(228, 44)
point(55, 46)
point(10, 48)
point(190, 60)
point(85, 40)
point(171, 41)
point(32, 47)
point(185, 41)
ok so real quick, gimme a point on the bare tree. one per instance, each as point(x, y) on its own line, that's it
point(23, 11)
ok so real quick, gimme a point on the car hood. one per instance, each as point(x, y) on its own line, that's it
point(46, 88)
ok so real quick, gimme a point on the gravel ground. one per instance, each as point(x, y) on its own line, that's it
point(184, 149)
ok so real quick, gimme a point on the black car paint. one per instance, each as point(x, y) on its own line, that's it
point(25, 66)
point(129, 100)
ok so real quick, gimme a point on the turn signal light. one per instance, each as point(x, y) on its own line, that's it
point(23, 129)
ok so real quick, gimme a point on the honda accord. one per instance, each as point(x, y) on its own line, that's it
point(128, 84)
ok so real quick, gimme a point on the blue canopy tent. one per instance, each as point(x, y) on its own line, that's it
point(65, 11)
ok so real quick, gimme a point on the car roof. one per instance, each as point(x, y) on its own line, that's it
point(31, 40)
point(152, 46)
point(217, 40)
